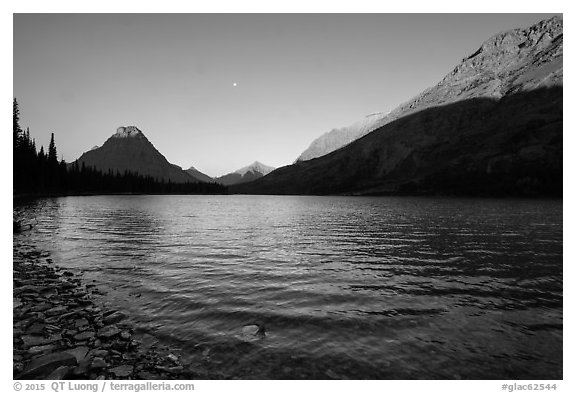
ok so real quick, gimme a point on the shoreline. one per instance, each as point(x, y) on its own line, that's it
point(60, 332)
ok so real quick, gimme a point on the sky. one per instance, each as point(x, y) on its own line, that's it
point(220, 91)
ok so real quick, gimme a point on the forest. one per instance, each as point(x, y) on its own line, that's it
point(40, 173)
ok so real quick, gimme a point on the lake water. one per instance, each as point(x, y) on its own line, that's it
point(346, 287)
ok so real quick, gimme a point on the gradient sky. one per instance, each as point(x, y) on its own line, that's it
point(172, 75)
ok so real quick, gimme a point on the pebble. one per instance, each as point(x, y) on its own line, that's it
point(84, 336)
point(108, 331)
point(79, 353)
point(59, 333)
point(122, 371)
point(113, 318)
point(60, 373)
point(98, 363)
point(125, 335)
point(41, 349)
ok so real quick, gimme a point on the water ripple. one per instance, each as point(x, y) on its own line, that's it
point(371, 287)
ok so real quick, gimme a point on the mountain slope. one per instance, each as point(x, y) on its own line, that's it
point(195, 173)
point(339, 137)
point(249, 173)
point(129, 150)
point(492, 71)
point(493, 126)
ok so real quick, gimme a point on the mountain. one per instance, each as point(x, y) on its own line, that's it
point(339, 137)
point(251, 172)
point(473, 77)
point(195, 173)
point(129, 150)
point(492, 126)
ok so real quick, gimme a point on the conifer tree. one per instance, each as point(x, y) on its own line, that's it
point(52, 155)
point(16, 116)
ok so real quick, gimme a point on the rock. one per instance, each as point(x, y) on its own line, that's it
point(70, 333)
point(122, 371)
point(251, 331)
point(41, 349)
point(81, 322)
point(56, 311)
point(17, 367)
point(67, 285)
point(102, 353)
point(113, 318)
point(33, 341)
point(59, 373)
point(170, 370)
point(98, 363)
point(37, 328)
point(125, 335)
point(84, 336)
point(79, 353)
point(27, 289)
point(175, 369)
point(43, 307)
point(82, 368)
point(42, 367)
point(172, 357)
point(147, 375)
point(108, 331)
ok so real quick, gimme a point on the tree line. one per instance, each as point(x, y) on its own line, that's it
point(37, 172)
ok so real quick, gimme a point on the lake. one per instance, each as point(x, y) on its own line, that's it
point(346, 287)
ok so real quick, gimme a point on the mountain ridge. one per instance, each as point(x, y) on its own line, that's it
point(476, 75)
point(496, 118)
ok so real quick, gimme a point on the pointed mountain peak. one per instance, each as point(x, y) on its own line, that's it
point(129, 150)
point(256, 166)
point(128, 132)
point(195, 173)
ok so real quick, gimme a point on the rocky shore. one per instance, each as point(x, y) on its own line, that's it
point(60, 332)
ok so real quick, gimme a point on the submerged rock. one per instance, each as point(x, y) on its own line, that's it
point(255, 331)
point(108, 331)
point(60, 373)
point(113, 318)
point(79, 353)
point(41, 367)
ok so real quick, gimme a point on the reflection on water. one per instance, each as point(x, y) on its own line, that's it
point(346, 287)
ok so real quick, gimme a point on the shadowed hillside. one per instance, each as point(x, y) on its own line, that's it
point(480, 146)
point(510, 61)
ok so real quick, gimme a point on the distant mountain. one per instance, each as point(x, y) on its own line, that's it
point(129, 150)
point(492, 126)
point(195, 173)
point(339, 137)
point(251, 172)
